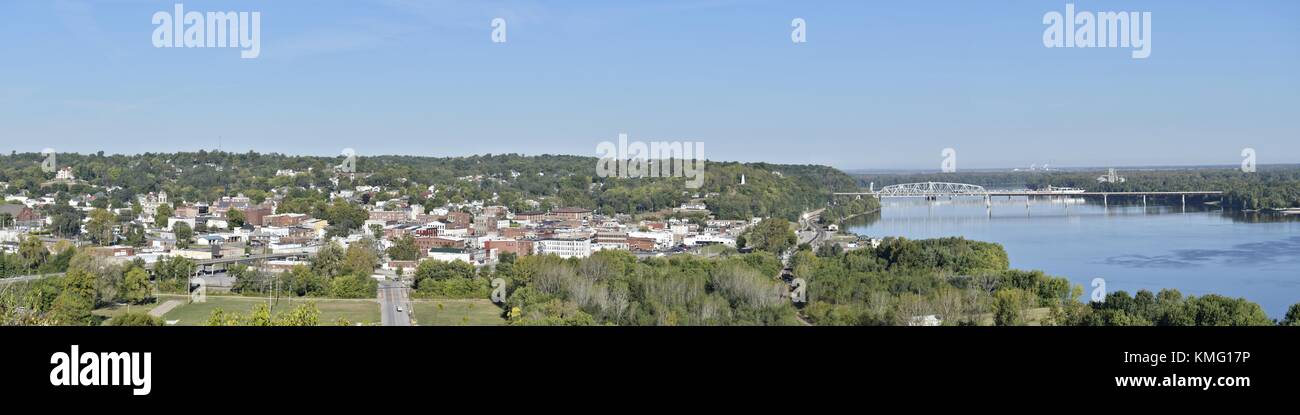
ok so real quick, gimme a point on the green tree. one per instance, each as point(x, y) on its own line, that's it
point(136, 286)
point(1292, 316)
point(76, 300)
point(1009, 307)
point(440, 270)
point(100, 228)
point(404, 249)
point(353, 286)
point(772, 235)
point(66, 221)
point(235, 218)
point(343, 218)
point(361, 258)
point(303, 315)
point(135, 319)
point(184, 235)
point(135, 236)
point(33, 252)
point(174, 272)
point(329, 260)
point(161, 215)
point(303, 282)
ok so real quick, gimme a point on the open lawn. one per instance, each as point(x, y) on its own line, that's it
point(111, 311)
point(1033, 316)
point(472, 312)
point(712, 250)
point(356, 311)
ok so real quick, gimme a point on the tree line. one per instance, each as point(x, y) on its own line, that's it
point(521, 183)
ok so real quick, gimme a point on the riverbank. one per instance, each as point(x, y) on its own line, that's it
point(840, 223)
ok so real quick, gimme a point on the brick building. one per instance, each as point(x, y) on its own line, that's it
point(519, 248)
point(425, 243)
point(388, 216)
point(283, 220)
point(571, 213)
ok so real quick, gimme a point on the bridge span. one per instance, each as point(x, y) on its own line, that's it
point(939, 189)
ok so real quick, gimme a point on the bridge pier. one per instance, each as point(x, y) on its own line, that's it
point(1105, 201)
point(1144, 203)
point(1184, 203)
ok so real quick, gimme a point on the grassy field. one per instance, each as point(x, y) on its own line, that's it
point(116, 310)
point(356, 311)
point(1033, 316)
point(712, 250)
point(476, 312)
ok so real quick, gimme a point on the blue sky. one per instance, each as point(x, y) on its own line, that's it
point(879, 84)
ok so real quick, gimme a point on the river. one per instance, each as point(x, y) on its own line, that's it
point(1198, 249)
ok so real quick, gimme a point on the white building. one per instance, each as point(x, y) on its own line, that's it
point(564, 248)
point(615, 246)
point(465, 257)
point(149, 203)
point(461, 232)
point(65, 174)
point(709, 239)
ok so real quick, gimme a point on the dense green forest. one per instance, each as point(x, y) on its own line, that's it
point(612, 287)
point(510, 180)
point(1271, 187)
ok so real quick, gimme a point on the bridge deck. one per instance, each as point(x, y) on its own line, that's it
point(1033, 193)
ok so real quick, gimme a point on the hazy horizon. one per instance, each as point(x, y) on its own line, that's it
point(867, 170)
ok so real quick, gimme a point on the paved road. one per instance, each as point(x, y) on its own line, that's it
point(808, 233)
point(164, 308)
point(393, 295)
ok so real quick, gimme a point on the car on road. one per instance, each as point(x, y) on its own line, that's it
point(399, 308)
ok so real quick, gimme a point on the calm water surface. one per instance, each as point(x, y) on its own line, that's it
point(1200, 250)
